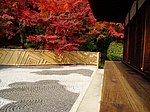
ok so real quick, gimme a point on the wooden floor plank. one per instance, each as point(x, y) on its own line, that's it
point(140, 88)
point(113, 96)
point(124, 90)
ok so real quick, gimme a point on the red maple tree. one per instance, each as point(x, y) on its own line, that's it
point(66, 23)
point(60, 25)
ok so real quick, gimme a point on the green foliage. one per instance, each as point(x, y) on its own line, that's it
point(115, 51)
point(103, 43)
point(37, 30)
point(89, 45)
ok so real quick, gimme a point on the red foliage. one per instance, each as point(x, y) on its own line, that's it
point(115, 30)
point(65, 23)
point(10, 16)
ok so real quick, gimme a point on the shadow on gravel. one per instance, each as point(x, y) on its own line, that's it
point(40, 96)
point(84, 72)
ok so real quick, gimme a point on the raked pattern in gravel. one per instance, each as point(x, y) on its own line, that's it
point(42, 89)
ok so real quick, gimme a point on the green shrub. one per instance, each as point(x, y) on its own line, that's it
point(115, 51)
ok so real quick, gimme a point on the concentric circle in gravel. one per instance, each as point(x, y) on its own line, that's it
point(42, 90)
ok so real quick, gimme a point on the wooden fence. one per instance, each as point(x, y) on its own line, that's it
point(45, 57)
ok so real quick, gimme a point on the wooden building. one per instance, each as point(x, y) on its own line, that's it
point(135, 14)
point(137, 36)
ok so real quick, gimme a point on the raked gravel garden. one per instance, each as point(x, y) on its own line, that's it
point(42, 88)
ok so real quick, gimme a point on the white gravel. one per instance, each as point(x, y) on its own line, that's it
point(72, 81)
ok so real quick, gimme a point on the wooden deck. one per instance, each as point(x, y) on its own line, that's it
point(124, 90)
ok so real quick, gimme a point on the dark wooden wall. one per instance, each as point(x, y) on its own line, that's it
point(137, 37)
point(146, 63)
